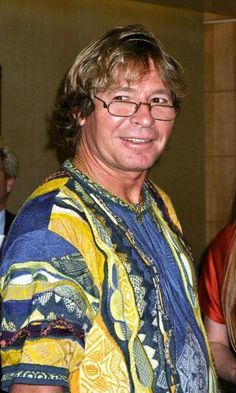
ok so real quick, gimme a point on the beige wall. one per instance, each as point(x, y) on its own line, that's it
point(220, 98)
point(39, 40)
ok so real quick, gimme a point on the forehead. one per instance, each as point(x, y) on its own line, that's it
point(135, 73)
point(146, 84)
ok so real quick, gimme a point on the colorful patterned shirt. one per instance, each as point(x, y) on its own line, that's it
point(99, 295)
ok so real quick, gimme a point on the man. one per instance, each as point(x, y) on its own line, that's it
point(8, 173)
point(97, 281)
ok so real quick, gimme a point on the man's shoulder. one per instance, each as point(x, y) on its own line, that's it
point(36, 211)
point(51, 185)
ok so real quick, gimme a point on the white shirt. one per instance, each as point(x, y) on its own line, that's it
point(2, 221)
point(2, 225)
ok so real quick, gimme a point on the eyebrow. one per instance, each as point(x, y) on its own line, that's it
point(129, 89)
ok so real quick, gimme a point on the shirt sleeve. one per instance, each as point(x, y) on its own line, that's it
point(45, 310)
point(212, 277)
point(209, 290)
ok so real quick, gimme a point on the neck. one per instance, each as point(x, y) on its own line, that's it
point(125, 185)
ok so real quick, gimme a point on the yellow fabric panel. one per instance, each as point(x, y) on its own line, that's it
point(57, 353)
point(50, 186)
point(103, 367)
point(76, 230)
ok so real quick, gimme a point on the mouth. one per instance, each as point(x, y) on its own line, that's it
point(137, 140)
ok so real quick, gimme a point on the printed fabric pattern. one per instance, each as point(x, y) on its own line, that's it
point(89, 306)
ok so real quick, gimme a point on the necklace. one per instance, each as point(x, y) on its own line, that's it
point(136, 207)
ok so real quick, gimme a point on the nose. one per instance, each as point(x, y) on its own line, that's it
point(142, 115)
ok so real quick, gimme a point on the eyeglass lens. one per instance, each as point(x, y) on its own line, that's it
point(127, 109)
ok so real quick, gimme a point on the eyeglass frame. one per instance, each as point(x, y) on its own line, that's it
point(106, 106)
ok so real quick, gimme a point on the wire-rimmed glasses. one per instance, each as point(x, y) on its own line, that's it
point(118, 108)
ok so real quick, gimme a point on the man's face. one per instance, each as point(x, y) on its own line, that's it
point(130, 144)
point(6, 185)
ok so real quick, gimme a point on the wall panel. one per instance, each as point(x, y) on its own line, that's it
point(220, 98)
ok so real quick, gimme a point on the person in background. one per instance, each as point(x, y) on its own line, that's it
point(8, 174)
point(98, 286)
point(217, 295)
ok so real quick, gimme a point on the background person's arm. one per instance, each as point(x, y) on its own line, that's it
point(22, 388)
point(225, 361)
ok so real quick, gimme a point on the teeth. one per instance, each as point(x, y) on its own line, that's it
point(136, 140)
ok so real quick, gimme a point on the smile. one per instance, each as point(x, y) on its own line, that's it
point(135, 140)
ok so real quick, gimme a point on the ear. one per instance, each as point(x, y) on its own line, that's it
point(10, 181)
point(79, 119)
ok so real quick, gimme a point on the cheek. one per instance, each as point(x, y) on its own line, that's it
point(166, 129)
point(111, 121)
point(109, 126)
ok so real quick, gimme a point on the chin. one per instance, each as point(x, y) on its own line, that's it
point(139, 168)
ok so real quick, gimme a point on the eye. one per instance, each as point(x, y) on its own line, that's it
point(120, 98)
point(160, 100)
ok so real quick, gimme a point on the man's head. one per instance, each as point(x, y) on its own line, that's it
point(122, 51)
point(8, 171)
